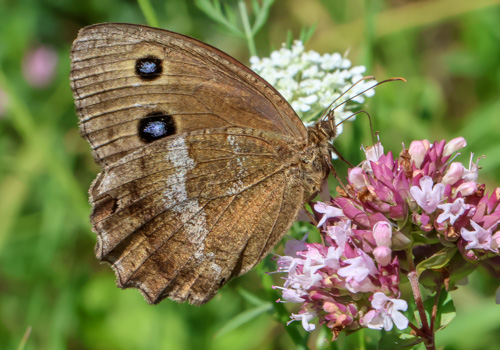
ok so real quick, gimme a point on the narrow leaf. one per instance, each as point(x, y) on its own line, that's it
point(242, 318)
point(307, 33)
point(391, 341)
point(255, 7)
point(148, 12)
point(437, 261)
point(261, 15)
point(251, 298)
point(289, 39)
point(214, 11)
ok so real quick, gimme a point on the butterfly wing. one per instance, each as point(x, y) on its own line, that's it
point(181, 217)
point(124, 73)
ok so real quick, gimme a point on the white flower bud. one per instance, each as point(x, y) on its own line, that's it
point(454, 145)
point(357, 178)
point(454, 173)
point(467, 188)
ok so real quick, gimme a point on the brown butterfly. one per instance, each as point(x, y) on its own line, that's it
point(205, 165)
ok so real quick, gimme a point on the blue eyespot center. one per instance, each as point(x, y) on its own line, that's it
point(148, 68)
point(156, 126)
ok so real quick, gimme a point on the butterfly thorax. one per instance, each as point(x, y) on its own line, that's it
point(315, 157)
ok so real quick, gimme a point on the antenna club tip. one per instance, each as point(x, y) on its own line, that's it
point(400, 79)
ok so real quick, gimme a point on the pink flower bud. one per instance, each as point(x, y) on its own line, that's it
point(382, 255)
point(453, 146)
point(417, 151)
point(357, 178)
point(382, 232)
point(331, 307)
point(467, 188)
point(454, 173)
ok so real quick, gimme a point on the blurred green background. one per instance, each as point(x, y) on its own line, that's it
point(53, 292)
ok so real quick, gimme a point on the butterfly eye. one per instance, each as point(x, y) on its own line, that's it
point(156, 126)
point(148, 68)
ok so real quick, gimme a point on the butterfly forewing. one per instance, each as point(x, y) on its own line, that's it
point(123, 73)
point(210, 205)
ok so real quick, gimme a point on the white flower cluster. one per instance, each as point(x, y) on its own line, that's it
point(310, 82)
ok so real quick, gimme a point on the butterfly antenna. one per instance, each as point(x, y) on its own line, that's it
point(369, 121)
point(362, 92)
point(327, 110)
point(371, 87)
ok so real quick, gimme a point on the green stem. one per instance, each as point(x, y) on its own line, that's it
point(361, 340)
point(247, 28)
point(23, 342)
point(369, 34)
point(148, 12)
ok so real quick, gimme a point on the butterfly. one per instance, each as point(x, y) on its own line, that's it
point(205, 165)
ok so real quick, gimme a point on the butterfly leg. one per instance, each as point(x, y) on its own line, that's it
point(311, 217)
point(341, 157)
point(333, 171)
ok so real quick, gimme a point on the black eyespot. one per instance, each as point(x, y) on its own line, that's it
point(148, 68)
point(156, 126)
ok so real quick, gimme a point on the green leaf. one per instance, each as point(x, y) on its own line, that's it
point(391, 341)
point(445, 310)
point(255, 6)
point(437, 261)
point(251, 298)
point(242, 318)
point(261, 14)
point(289, 39)
point(230, 15)
point(459, 269)
point(307, 33)
point(148, 12)
point(213, 9)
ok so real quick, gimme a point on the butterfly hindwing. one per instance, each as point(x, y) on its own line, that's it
point(182, 216)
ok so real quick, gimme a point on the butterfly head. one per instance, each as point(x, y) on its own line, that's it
point(323, 131)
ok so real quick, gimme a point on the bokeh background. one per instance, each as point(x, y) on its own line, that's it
point(53, 292)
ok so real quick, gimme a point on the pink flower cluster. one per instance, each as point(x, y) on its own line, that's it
point(389, 209)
